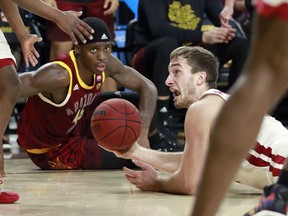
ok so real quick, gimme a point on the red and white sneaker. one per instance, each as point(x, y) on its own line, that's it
point(8, 197)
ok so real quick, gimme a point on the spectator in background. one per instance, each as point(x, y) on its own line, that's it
point(179, 23)
point(60, 41)
point(232, 6)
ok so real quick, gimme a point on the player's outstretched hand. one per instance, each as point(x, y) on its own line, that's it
point(145, 179)
point(124, 153)
point(73, 26)
point(29, 52)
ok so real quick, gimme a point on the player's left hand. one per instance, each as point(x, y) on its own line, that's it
point(110, 6)
point(30, 54)
point(145, 180)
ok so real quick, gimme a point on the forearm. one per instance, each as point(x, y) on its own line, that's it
point(147, 103)
point(174, 184)
point(164, 161)
point(12, 14)
point(40, 8)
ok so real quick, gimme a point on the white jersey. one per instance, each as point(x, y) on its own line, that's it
point(5, 51)
point(269, 153)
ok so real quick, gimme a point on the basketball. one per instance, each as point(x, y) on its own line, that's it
point(116, 124)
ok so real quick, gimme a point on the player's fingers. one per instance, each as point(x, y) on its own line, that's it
point(141, 164)
point(77, 13)
point(32, 59)
point(35, 53)
point(130, 172)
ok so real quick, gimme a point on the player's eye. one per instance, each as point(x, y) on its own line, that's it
point(93, 50)
point(107, 48)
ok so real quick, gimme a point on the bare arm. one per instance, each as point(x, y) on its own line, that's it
point(164, 161)
point(129, 78)
point(68, 21)
point(199, 119)
point(50, 79)
point(110, 6)
point(26, 39)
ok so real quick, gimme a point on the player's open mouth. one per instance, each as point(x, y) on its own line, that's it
point(175, 94)
point(101, 67)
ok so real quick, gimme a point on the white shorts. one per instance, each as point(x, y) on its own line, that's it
point(254, 176)
point(5, 51)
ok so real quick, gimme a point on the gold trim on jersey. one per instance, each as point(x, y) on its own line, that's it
point(42, 150)
point(83, 84)
point(69, 90)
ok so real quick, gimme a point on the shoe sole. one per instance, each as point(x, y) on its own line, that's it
point(268, 213)
point(7, 147)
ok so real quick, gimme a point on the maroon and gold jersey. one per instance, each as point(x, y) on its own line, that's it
point(45, 124)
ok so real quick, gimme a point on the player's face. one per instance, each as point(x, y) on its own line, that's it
point(95, 56)
point(181, 83)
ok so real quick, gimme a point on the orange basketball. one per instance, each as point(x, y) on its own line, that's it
point(116, 124)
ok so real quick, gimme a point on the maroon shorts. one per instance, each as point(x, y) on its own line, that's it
point(79, 151)
point(89, 9)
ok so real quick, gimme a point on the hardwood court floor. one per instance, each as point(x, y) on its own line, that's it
point(104, 193)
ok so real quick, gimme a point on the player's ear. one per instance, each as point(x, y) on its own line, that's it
point(202, 76)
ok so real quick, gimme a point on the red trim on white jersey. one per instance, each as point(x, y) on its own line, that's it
point(276, 8)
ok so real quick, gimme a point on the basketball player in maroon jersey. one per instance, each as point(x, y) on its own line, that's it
point(262, 84)
point(55, 124)
point(9, 80)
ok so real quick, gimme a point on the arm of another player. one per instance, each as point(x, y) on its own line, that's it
point(68, 21)
point(129, 78)
point(110, 6)
point(51, 79)
point(26, 39)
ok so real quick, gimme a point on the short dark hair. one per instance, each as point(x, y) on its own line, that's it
point(199, 59)
point(101, 30)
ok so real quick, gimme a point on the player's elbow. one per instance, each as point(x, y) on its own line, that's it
point(189, 189)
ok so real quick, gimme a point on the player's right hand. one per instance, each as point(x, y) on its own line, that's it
point(73, 26)
point(124, 153)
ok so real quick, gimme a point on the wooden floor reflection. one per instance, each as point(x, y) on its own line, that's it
point(104, 193)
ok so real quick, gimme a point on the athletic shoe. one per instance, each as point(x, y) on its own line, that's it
point(8, 197)
point(159, 141)
point(6, 144)
point(272, 203)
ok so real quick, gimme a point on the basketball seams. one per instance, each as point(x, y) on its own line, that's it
point(131, 112)
point(116, 124)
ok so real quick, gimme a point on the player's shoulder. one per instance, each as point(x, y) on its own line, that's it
point(114, 65)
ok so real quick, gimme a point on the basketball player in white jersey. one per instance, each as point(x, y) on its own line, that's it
point(262, 84)
point(9, 81)
point(193, 73)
